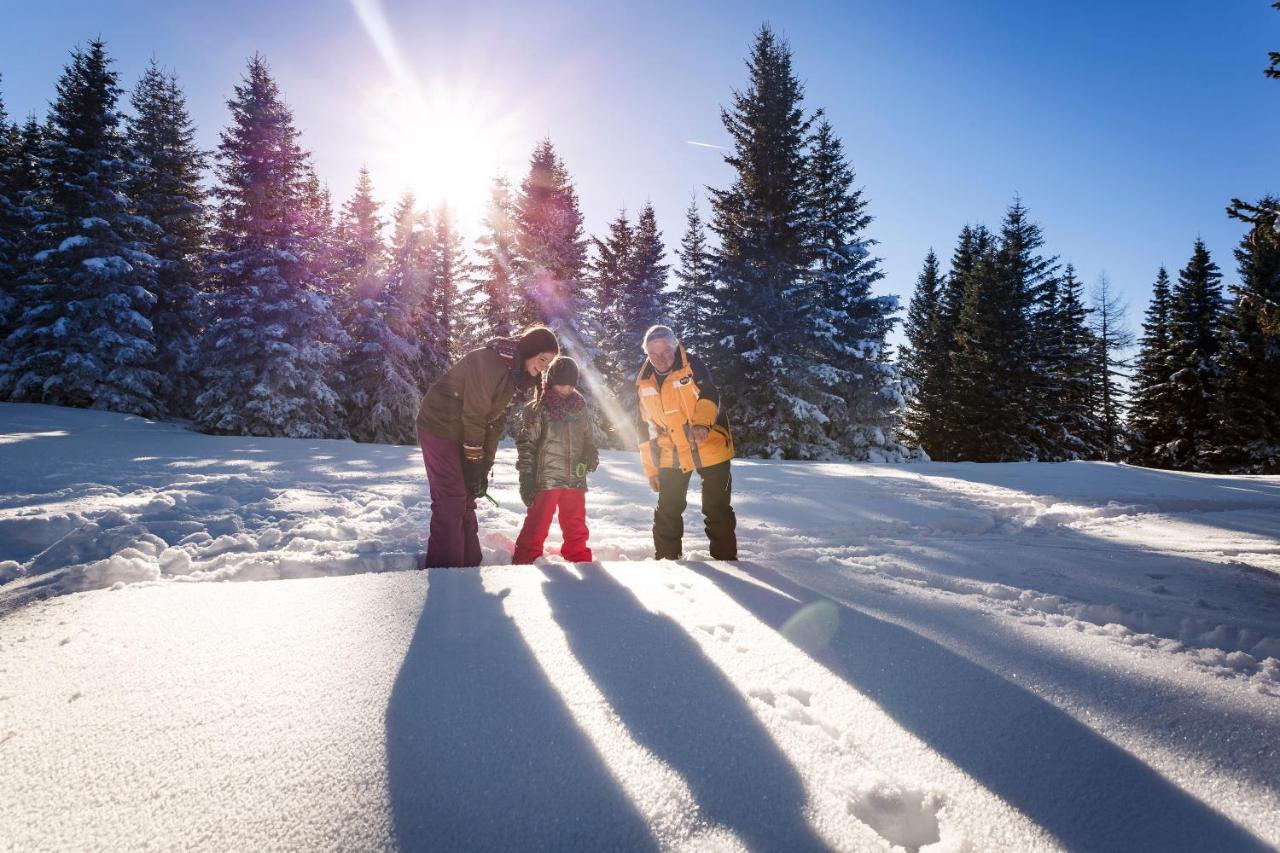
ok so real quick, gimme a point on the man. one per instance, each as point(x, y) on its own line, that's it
point(683, 428)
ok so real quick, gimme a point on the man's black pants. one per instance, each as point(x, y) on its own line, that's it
point(668, 518)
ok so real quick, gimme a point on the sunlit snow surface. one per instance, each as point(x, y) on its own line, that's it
point(938, 657)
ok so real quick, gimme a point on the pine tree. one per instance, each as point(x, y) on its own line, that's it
point(361, 255)
point(380, 389)
point(924, 358)
point(609, 272)
point(1031, 283)
point(1073, 350)
point(166, 190)
point(11, 225)
point(320, 245)
point(1247, 438)
point(999, 372)
point(409, 284)
point(1153, 413)
point(499, 266)
point(85, 337)
point(1111, 339)
point(552, 251)
point(847, 326)
point(451, 273)
point(974, 245)
point(694, 299)
point(987, 397)
point(270, 355)
point(641, 303)
point(1196, 308)
point(27, 211)
point(643, 299)
point(762, 263)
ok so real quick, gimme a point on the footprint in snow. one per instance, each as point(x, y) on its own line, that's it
point(905, 817)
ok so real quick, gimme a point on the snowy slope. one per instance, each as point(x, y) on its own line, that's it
point(939, 657)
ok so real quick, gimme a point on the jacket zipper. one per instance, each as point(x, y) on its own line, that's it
point(568, 451)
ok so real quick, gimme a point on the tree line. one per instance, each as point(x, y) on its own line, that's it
point(144, 275)
point(254, 307)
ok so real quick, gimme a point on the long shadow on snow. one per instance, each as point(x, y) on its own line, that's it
point(481, 752)
point(1034, 756)
point(677, 704)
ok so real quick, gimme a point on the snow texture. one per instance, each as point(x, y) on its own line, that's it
point(931, 657)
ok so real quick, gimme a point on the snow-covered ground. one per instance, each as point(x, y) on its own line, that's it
point(933, 656)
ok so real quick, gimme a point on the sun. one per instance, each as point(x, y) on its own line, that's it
point(442, 141)
point(441, 138)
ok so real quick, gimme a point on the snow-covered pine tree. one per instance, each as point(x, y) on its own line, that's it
point(641, 302)
point(643, 299)
point(1153, 412)
point(1111, 340)
point(847, 326)
point(409, 284)
point(499, 268)
point(694, 298)
point(380, 390)
point(1072, 352)
point(553, 252)
point(609, 271)
point(28, 209)
point(1247, 438)
point(923, 360)
point(166, 189)
point(270, 355)
point(451, 275)
point(1043, 326)
point(1196, 308)
point(1030, 280)
point(12, 227)
point(85, 336)
point(361, 255)
point(320, 249)
point(762, 264)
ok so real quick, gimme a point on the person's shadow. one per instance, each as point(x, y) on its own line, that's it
point(678, 705)
point(1086, 791)
point(481, 752)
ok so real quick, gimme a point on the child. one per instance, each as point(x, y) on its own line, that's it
point(556, 450)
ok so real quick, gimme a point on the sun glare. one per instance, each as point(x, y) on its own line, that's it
point(444, 146)
point(442, 139)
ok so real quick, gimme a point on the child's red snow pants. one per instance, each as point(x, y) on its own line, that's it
point(572, 505)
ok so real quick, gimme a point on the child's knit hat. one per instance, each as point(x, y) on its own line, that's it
point(563, 371)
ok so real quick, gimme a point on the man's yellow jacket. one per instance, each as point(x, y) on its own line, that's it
point(671, 405)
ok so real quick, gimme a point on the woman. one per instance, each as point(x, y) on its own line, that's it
point(459, 425)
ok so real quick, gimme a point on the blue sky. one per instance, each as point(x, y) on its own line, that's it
point(1125, 127)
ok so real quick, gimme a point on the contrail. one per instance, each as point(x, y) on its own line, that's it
point(704, 145)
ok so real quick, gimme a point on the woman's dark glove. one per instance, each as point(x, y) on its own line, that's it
point(528, 490)
point(475, 476)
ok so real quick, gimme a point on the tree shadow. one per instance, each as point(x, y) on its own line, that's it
point(682, 708)
point(1075, 784)
point(481, 752)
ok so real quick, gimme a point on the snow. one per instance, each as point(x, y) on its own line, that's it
point(934, 657)
point(115, 264)
point(66, 245)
